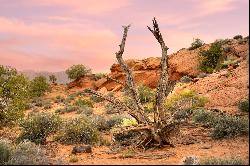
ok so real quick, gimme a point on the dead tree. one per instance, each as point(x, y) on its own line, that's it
point(159, 130)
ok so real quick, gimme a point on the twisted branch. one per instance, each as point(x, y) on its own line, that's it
point(159, 115)
point(129, 77)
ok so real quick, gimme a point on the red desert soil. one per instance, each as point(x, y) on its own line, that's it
point(226, 148)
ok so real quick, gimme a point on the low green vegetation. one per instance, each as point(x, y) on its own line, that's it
point(38, 126)
point(77, 71)
point(210, 58)
point(28, 153)
point(185, 79)
point(5, 150)
point(196, 44)
point(38, 86)
point(185, 100)
point(221, 161)
point(100, 76)
point(223, 125)
point(79, 130)
point(14, 94)
point(59, 99)
point(244, 105)
point(146, 94)
point(83, 103)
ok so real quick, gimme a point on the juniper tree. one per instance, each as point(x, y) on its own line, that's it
point(164, 123)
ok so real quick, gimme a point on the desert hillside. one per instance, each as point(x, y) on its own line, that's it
point(75, 124)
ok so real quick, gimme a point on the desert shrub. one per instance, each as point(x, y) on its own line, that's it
point(83, 103)
point(38, 86)
point(223, 125)
point(203, 116)
point(129, 102)
point(226, 63)
point(69, 99)
point(186, 79)
point(37, 126)
point(114, 121)
point(47, 104)
point(85, 110)
point(149, 107)
point(52, 78)
point(99, 76)
point(5, 150)
point(238, 37)
point(13, 95)
point(129, 153)
point(128, 122)
point(210, 58)
point(126, 138)
point(220, 161)
point(196, 44)
point(146, 94)
point(28, 153)
point(96, 99)
point(37, 101)
point(184, 100)
point(77, 71)
point(67, 109)
point(73, 159)
point(229, 126)
point(59, 99)
point(79, 130)
point(100, 122)
point(244, 105)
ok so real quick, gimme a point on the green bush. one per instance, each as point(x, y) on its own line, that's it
point(229, 126)
point(196, 44)
point(210, 58)
point(96, 99)
point(205, 117)
point(223, 125)
point(114, 121)
point(244, 105)
point(14, 94)
point(37, 126)
point(83, 103)
point(77, 71)
point(186, 79)
point(52, 78)
point(28, 153)
point(67, 109)
point(79, 130)
point(146, 94)
point(100, 122)
point(47, 104)
point(220, 161)
point(38, 86)
point(99, 76)
point(5, 150)
point(185, 100)
point(59, 99)
point(238, 37)
point(85, 110)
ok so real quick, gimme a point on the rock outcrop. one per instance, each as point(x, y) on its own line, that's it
point(146, 71)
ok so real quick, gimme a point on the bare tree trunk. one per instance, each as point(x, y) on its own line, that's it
point(163, 82)
point(129, 77)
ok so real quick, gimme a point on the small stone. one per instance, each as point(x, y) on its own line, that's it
point(82, 149)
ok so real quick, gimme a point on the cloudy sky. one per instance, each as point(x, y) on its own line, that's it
point(52, 35)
